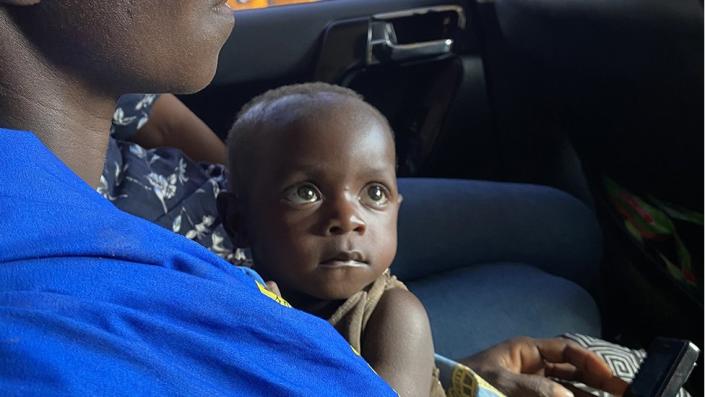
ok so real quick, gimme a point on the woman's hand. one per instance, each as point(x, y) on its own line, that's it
point(522, 367)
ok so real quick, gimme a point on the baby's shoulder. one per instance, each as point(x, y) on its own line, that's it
point(401, 307)
point(398, 331)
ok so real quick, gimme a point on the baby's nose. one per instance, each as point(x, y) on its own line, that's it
point(345, 218)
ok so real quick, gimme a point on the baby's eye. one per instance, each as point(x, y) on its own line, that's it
point(375, 195)
point(303, 194)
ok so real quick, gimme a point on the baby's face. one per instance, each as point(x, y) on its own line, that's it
point(321, 212)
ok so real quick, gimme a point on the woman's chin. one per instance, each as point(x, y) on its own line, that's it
point(193, 82)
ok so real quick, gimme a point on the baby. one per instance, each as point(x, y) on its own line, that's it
point(313, 194)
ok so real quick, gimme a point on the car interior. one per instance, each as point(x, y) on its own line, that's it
point(488, 98)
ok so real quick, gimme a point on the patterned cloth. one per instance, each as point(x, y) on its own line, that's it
point(624, 362)
point(162, 185)
point(131, 113)
point(669, 235)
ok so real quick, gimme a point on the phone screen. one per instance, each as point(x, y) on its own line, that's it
point(655, 369)
point(666, 368)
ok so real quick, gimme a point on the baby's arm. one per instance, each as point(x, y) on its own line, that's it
point(173, 124)
point(397, 343)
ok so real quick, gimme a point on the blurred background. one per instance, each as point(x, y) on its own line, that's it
point(249, 4)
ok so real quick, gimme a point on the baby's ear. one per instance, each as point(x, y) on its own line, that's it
point(20, 2)
point(233, 222)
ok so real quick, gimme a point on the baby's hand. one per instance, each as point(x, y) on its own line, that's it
point(273, 287)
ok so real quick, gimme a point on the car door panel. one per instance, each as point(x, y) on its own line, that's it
point(288, 44)
point(331, 41)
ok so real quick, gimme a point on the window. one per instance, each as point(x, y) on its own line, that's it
point(250, 4)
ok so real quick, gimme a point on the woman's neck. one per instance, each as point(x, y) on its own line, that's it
point(69, 117)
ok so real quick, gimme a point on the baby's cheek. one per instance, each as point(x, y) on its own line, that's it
point(386, 242)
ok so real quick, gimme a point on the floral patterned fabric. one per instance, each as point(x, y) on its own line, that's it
point(162, 185)
point(131, 113)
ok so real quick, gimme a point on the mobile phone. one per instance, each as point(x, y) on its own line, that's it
point(667, 366)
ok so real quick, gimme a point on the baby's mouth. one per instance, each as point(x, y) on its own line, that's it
point(345, 259)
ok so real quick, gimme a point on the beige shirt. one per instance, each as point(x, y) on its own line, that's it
point(351, 317)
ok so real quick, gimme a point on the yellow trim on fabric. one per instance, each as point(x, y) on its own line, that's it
point(466, 383)
point(272, 295)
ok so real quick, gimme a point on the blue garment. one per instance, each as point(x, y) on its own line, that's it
point(94, 301)
point(493, 260)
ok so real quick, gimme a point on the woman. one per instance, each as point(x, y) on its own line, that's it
point(94, 301)
point(97, 302)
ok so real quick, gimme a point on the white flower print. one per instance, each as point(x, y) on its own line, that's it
point(138, 150)
point(120, 119)
point(104, 190)
point(146, 101)
point(216, 188)
point(142, 122)
point(239, 257)
point(138, 182)
point(154, 158)
point(181, 171)
point(240, 254)
point(176, 226)
point(201, 229)
point(163, 188)
point(217, 245)
point(120, 173)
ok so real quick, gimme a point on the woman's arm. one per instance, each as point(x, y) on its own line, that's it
point(173, 124)
point(397, 343)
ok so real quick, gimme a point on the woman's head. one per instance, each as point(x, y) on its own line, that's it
point(121, 46)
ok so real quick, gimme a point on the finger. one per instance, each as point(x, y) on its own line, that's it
point(536, 386)
point(559, 350)
point(568, 372)
point(272, 286)
point(577, 392)
point(589, 367)
point(565, 371)
point(594, 371)
point(614, 385)
point(555, 350)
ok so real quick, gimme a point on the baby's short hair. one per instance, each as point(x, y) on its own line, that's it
point(304, 89)
point(256, 112)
